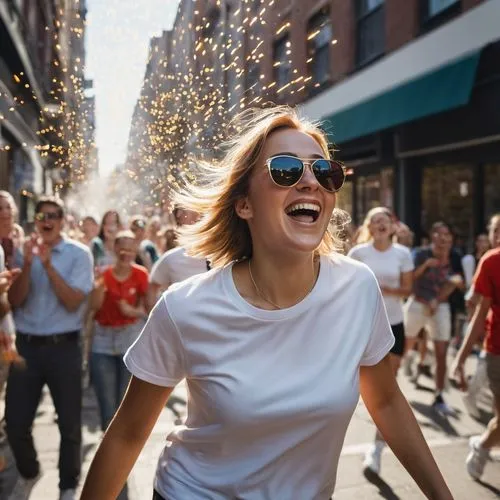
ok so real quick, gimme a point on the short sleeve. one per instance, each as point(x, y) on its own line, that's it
point(82, 273)
point(381, 338)
point(157, 356)
point(160, 272)
point(143, 281)
point(407, 262)
point(354, 253)
point(483, 284)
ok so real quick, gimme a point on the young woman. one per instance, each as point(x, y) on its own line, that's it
point(486, 318)
point(393, 267)
point(119, 301)
point(271, 342)
point(103, 246)
point(89, 229)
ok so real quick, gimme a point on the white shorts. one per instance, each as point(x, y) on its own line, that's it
point(416, 317)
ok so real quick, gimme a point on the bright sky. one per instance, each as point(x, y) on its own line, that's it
point(117, 41)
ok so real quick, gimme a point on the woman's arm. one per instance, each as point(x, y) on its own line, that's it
point(387, 407)
point(124, 439)
point(474, 332)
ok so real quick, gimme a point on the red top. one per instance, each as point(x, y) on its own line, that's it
point(487, 284)
point(131, 290)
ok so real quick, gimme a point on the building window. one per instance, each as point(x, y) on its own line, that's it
point(370, 30)
point(374, 190)
point(448, 194)
point(319, 37)
point(437, 6)
point(253, 79)
point(282, 54)
point(433, 13)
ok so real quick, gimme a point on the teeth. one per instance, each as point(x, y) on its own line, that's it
point(303, 206)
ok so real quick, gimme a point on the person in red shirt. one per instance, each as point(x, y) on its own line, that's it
point(486, 318)
point(119, 299)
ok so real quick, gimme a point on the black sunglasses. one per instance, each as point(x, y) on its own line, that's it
point(286, 171)
point(43, 216)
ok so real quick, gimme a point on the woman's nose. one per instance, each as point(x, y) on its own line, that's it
point(308, 179)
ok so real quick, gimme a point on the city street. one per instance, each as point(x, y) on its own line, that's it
point(447, 439)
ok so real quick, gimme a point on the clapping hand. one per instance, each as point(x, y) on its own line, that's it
point(30, 248)
point(44, 253)
point(7, 278)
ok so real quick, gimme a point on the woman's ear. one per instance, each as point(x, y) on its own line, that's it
point(243, 208)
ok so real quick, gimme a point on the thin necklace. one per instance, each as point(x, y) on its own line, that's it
point(263, 296)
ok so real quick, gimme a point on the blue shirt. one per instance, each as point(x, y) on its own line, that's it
point(42, 313)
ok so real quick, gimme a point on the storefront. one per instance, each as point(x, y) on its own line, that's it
point(442, 166)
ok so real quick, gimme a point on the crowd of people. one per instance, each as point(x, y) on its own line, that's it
point(262, 319)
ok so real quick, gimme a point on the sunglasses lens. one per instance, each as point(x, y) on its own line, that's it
point(286, 170)
point(329, 174)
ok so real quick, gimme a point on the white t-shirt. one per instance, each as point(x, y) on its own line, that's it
point(469, 267)
point(271, 393)
point(174, 266)
point(387, 267)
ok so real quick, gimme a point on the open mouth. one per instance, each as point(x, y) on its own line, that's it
point(303, 212)
point(47, 228)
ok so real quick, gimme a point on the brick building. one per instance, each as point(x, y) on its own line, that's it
point(39, 41)
point(408, 92)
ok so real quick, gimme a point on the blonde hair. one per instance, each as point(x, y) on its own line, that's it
point(12, 203)
point(493, 220)
point(364, 234)
point(220, 235)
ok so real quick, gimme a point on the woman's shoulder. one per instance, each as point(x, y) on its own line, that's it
point(349, 267)
point(139, 270)
point(359, 249)
point(401, 250)
point(194, 287)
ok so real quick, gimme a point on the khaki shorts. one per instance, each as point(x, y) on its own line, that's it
point(493, 372)
point(416, 317)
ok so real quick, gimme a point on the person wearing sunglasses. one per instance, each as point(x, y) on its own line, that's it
point(48, 299)
point(272, 341)
point(393, 267)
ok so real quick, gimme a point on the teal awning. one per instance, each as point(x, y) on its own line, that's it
point(443, 89)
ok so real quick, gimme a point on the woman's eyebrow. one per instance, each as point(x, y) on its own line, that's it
point(288, 153)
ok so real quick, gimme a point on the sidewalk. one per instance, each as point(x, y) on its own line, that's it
point(447, 438)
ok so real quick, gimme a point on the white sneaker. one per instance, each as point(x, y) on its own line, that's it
point(22, 488)
point(67, 494)
point(477, 458)
point(470, 404)
point(373, 458)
